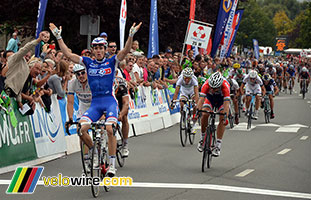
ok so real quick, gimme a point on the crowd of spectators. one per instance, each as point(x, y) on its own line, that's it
point(30, 79)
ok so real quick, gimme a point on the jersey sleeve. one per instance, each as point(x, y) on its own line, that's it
point(235, 84)
point(205, 89)
point(225, 88)
point(259, 81)
point(179, 81)
point(245, 79)
point(85, 61)
point(195, 81)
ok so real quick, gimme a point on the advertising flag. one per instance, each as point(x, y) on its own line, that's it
point(191, 16)
point(223, 14)
point(256, 48)
point(228, 30)
point(238, 15)
point(153, 47)
point(122, 22)
point(40, 21)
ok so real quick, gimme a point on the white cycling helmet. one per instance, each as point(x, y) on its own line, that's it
point(215, 81)
point(187, 72)
point(253, 74)
point(99, 41)
point(78, 67)
point(304, 69)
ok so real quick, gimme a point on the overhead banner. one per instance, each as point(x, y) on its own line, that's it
point(281, 44)
point(122, 22)
point(48, 130)
point(238, 17)
point(198, 35)
point(40, 21)
point(223, 14)
point(256, 49)
point(153, 47)
point(228, 30)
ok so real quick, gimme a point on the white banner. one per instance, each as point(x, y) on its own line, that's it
point(122, 22)
point(198, 35)
point(48, 130)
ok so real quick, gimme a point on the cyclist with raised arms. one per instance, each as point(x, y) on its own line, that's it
point(101, 74)
point(187, 84)
point(253, 85)
point(271, 89)
point(215, 93)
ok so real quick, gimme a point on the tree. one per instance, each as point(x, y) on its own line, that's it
point(255, 24)
point(282, 23)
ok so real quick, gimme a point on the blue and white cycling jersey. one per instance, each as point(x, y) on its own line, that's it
point(291, 72)
point(100, 76)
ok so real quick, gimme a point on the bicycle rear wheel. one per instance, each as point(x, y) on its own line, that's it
point(303, 89)
point(190, 134)
point(95, 169)
point(183, 129)
point(83, 151)
point(120, 158)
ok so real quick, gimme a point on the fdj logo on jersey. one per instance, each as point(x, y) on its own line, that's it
point(100, 72)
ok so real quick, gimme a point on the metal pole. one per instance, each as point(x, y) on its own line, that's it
point(183, 48)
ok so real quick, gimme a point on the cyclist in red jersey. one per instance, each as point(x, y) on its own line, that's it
point(215, 93)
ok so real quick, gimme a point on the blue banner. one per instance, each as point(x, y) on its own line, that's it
point(223, 14)
point(256, 49)
point(153, 47)
point(39, 26)
point(169, 97)
point(239, 14)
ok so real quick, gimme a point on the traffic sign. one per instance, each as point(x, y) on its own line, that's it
point(198, 35)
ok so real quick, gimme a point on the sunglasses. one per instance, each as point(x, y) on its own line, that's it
point(112, 46)
point(80, 73)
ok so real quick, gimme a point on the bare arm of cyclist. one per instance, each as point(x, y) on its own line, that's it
point(70, 102)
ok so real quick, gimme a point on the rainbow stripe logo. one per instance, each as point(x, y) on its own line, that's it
point(24, 180)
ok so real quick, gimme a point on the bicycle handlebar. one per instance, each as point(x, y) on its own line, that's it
point(211, 112)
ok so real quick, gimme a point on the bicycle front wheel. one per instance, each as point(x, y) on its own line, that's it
point(95, 167)
point(183, 129)
point(120, 158)
point(249, 121)
point(84, 151)
point(190, 134)
point(207, 150)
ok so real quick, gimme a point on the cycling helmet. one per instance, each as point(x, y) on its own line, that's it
point(240, 71)
point(291, 67)
point(215, 81)
point(277, 65)
point(187, 72)
point(99, 41)
point(77, 68)
point(236, 66)
point(304, 69)
point(253, 74)
point(266, 77)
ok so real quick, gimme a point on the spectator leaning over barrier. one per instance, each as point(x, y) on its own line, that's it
point(138, 69)
point(47, 92)
point(13, 43)
point(18, 70)
point(58, 82)
point(31, 92)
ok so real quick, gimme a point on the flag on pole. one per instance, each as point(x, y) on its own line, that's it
point(191, 17)
point(122, 22)
point(228, 30)
point(238, 14)
point(256, 48)
point(40, 22)
point(223, 14)
point(153, 47)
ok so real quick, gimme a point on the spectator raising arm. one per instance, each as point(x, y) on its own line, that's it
point(57, 33)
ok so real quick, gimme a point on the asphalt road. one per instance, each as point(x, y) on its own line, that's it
point(264, 163)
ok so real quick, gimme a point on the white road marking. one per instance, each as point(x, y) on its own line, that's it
point(284, 151)
point(226, 188)
point(269, 125)
point(245, 173)
point(242, 127)
point(288, 129)
point(297, 125)
point(308, 101)
point(304, 137)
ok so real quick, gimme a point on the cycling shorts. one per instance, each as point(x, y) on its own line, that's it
point(249, 89)
point(214, 101)
point(98, 106)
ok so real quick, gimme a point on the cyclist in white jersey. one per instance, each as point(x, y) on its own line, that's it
point(187, 84)
point(81, 88)
point(253, 85)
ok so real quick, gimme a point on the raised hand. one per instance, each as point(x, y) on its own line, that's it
point(134, 29)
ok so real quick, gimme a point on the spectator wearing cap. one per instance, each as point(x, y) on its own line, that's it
point(13, 43)
point(169, 52)
point(17, 69)
point(112, 48)
point(86, 53)
point(104, 35)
